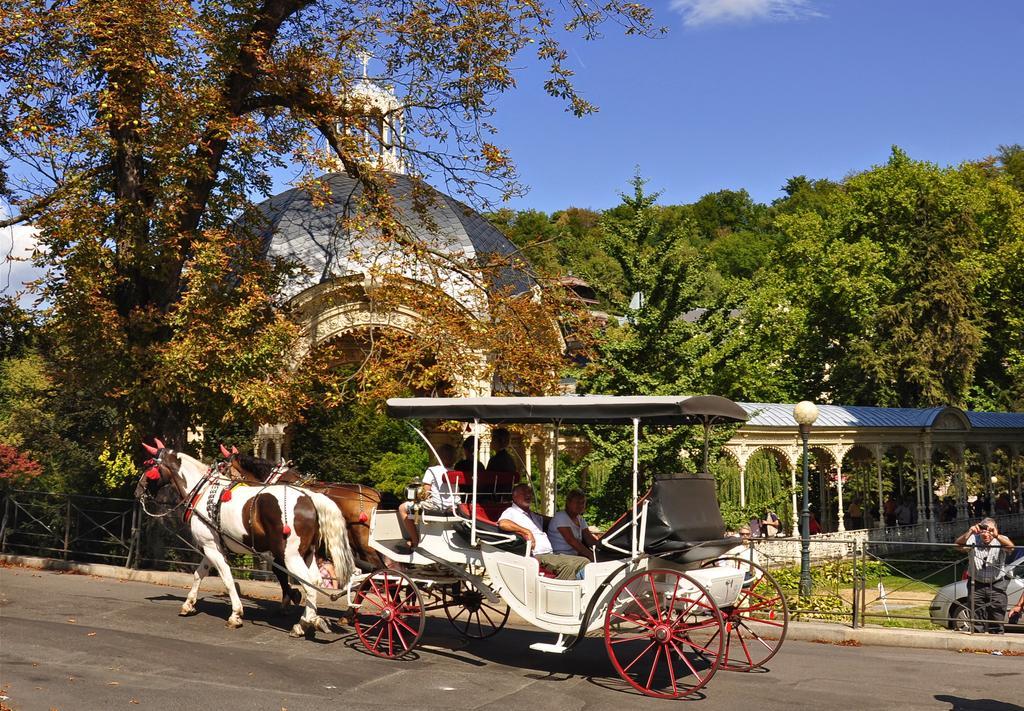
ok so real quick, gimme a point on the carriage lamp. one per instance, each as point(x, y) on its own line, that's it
point(805, 413)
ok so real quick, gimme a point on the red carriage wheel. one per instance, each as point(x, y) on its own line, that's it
point(389, 616)
point(472, 614)
point(664, 634)
point(756, 625)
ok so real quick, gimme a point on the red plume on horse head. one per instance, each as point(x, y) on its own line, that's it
point(152, 473)
point(224, 452)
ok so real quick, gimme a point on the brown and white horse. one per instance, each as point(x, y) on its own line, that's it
point(286, 521)
point(356, 501)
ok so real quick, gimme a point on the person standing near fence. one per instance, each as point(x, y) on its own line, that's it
point(986, 552)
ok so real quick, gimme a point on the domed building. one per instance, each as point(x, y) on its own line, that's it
point(328, 231)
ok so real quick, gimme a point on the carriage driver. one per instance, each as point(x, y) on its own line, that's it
point(439, 495)
point(519, 519)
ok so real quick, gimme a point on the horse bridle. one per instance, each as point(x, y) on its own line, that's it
point(153, 465)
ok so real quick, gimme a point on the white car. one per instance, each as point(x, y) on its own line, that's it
point(951, 606)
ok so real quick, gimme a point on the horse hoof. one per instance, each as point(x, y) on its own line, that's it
point(186, 610)
point(323, 625)
point(297, 631)
point(234, 623)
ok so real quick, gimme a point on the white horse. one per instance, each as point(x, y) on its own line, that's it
point(285, 520)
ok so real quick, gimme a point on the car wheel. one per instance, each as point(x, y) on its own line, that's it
point(961, 617)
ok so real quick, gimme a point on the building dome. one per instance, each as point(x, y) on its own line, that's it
point(317, 234)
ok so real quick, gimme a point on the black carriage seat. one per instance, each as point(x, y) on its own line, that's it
point(684, 523)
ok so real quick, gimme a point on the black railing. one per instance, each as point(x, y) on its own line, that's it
point(93, 529)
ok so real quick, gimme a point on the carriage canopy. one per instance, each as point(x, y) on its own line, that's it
point(573, 409)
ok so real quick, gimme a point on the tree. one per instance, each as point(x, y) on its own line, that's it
point(15, 467)
point(139, 132)
point(1011, 160)
point(655, 351)
point(17, 329)
point(893, 278)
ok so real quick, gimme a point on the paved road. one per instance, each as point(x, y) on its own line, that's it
point(72, 642)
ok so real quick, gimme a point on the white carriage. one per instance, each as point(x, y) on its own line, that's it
point(672, 610)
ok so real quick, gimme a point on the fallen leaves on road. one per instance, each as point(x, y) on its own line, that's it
point(113, 683)
point(1002, 653)
point(91, 634)
point(72, 620)
point(838, 642)
point(133, 701)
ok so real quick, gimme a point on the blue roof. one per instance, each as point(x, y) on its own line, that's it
point(781, 415)
point(1000, 420)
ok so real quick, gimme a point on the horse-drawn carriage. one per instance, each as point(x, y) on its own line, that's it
point(672, 606)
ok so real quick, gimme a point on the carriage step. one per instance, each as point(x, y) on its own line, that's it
point(557, 647)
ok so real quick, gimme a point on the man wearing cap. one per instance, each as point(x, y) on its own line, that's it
point(986, 552)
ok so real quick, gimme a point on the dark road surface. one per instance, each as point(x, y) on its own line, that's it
point(72, 643)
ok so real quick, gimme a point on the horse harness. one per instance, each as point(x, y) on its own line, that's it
point(218, 493)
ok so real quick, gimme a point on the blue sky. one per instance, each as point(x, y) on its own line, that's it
point(747, 93)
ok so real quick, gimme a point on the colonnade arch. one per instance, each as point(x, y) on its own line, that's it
point(913, 457)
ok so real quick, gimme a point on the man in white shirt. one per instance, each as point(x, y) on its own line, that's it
point(440, 499)
point(519, 519)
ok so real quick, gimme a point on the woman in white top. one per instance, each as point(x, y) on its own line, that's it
point(568, 530)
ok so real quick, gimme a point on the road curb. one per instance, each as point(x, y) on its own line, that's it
point(830, 633)
point(212, 583)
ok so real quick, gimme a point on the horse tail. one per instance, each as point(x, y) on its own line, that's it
point(333, 531)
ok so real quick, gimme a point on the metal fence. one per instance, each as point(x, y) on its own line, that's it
point(92, 529)
point(889, 583)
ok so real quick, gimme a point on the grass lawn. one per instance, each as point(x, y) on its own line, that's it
point(921, 621)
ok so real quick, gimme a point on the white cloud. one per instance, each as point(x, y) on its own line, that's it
point(16, 245)
point(707, 12)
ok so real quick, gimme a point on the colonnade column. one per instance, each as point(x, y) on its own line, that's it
point(986, 467)
point(839, 491)
point(881, 502)
point(796, 514)
point(548, 494)
point(743, 484)
point(919, 481)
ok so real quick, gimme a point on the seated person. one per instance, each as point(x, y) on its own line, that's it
point(465, 465)
point(742, 550)
point(329, 579)
point(568, 531)
point(440, 499)
point(501, 460)
point(518, 519)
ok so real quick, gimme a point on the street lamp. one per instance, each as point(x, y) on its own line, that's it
point(805, 413)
